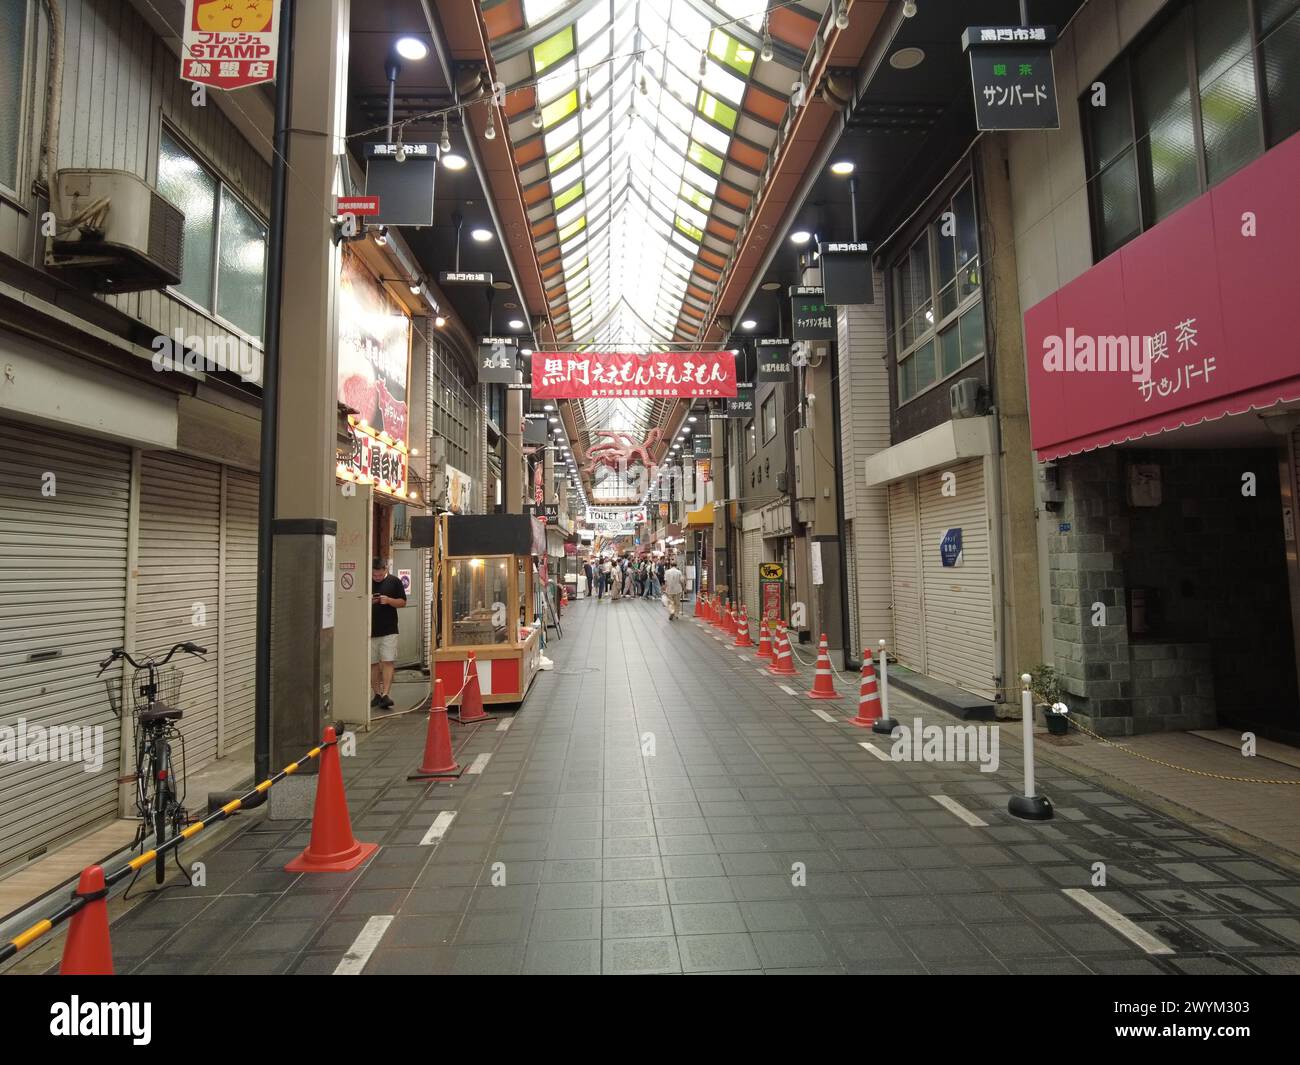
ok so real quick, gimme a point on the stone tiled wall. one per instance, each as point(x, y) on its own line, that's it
point(1220, 641)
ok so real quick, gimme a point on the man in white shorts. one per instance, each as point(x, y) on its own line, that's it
point(388, 594)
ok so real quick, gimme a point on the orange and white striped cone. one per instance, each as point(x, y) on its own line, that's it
point(823, 688)
point(868, 695)
point(699, 606)
point(720, 616)
point(471, 699)
point(783, 664)
point(764, 642)
point(742, 632)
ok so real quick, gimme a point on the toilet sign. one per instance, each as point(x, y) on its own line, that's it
point(950, 548)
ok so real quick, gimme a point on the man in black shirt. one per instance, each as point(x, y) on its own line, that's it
point(387, 594)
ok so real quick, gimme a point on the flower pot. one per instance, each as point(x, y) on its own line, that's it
point(1057, 724)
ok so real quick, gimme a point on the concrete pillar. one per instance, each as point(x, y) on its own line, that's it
point(302, 632)
point(1022, 644)
point(515, 470)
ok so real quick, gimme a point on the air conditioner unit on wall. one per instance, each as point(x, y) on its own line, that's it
point(964, 398)
point(121, 236)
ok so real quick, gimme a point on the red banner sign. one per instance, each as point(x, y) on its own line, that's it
point(1201, 307)
point(594, 375)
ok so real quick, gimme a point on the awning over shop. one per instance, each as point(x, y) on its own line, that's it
point(699, 519)
point(1206, 293)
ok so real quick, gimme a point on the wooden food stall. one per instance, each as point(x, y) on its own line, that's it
point(483, 585)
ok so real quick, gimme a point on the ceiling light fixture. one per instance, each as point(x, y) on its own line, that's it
point(801, 236)
point(452, 161)
point(416, 287)
point(440, 321)
point(381, 238)
point(481, 235)
point(704, 62)
point(909, 9)
point(491, 132)
point(515, 323)
point(444, 142)
point(844, 167)
point(411, 48)
point(537, 117)
point(748, 323)
point(768, 51)
point(907, 58)
point(842, 15)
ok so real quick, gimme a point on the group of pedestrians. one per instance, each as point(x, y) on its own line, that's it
point(625, 577)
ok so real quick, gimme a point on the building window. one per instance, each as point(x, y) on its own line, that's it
point(224, 266)
point(751, 440)
point(938, 317)
point(13, 55)
point(768, 412)
point(1187, 106)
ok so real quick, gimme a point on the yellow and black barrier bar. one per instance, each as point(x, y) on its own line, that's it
point(30, 935)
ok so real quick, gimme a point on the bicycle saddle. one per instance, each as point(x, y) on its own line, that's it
point(159, 712)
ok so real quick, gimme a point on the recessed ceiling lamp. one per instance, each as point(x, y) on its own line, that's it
point(770, 286)
point(452, 161)
point(411, 48)
point(482, 235)
point(549, 406)
point(749, 323)
point(691, 418)
point(440, 321)
point(515, 323)
point(526, 352)
point(801, 236)
point(843, 167)
point(906, 58)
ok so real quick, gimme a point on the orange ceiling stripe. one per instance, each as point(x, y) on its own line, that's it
point(713, 276)
point(758, 101)
point(549, 255)
point(713, 258)
point(720, 228)
point(537, 193)
point(521, 100)
point(747, 155)
point(529, 152)
point(502, 19)
point(546, 225)
point(792, 27)
point(734, 196)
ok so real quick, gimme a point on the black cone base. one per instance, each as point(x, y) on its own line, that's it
point(885, 726)
point(1030, 807)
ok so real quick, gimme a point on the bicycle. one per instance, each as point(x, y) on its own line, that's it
point(158, 801)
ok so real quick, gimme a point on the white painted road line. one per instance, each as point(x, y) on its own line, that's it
point(1138, 936)
point(479, 764)
point(876, 751)
point(506, 722)
point(955, 807)
point(364, 945)
point(788, 690)
point(439, 827)
point(761, 672)
point(822, 714)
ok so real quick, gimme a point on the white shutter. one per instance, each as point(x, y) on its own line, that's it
point(958, 599)
point(909, 642)
point(751, 556)
point(238, 651)
point(179, 555)
point(63, 559)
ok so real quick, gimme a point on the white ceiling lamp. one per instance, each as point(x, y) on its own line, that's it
point(452, 161)
point(416, 287)
point(526, 352)
point(907, 58)
point(440, 321)
point(842, 15)
point(444, 142)
point(691, 418)
point(844, 167)
point(491, 132)
point(411, 48)
point(516, 323)
point(749, 323)
point(767, 52)
point(909, 9)
point(481, 235)
point(549, 407)
point(800, 237)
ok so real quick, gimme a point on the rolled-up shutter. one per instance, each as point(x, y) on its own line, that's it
point(64, 511)
point(958, 599)
point(180, 540)
point(905, 569)
point(239, 609)
point(752, 556)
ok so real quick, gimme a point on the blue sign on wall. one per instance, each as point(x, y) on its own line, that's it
point(950, 548)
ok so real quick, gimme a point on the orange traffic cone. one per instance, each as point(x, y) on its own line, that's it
point(822, 687)
point(764, 642)
point(783, 664)
point(699, 601)
point(438, 758)
point(729, 624)
point(471, 700)
point(87, 951)
point(333, 848)
point(720, 616)
point(868, 696)
point(742, 632)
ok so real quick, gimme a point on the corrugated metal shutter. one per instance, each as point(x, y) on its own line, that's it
point(849, 561)
point(63, 560)
point(180, 540)
point(752, 555)
point(904, 533)
point(238, 650)
point(958, 599)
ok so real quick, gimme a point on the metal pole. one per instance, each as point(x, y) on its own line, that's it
point(1024, 12)
point(853, 206)
point(271, 396)
point(884, 724)
point(1029, 806)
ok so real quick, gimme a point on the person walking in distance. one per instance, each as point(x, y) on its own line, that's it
point(605, 568)
point(589, 572)
point(387, 596)
point(674, 585)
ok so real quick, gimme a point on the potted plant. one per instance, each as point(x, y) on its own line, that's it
point(1045, 686)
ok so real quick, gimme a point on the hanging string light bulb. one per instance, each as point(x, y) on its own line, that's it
point(704, 62)
point(842, 15)
point(768, 51)
point(491, 132)
point(444, 144)
point(537, 116)
point(586, 99)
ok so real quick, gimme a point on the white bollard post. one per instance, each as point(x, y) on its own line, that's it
point(1029, 806)
point(884, 724)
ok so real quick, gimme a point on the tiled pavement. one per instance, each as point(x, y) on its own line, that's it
point(611, 858)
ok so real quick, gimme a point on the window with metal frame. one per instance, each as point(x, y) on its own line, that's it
point(768, 411)
point(14, 17)
point(224, 264)
point(751, 440)
point(1199, 95)
point(935, 299)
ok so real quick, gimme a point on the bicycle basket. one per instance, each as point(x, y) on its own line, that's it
point(169, 687)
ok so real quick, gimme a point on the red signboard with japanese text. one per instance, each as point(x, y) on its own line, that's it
point(594, 375)
point(230, 45)
point(1205, 298)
